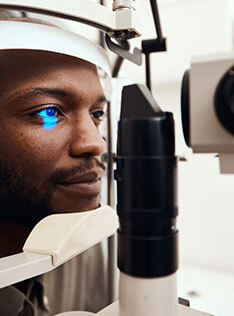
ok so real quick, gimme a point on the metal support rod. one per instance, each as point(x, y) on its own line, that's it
point(102, 39)
point(110, 159)
point(156, 17)
point(147, 71)
point(110, 201)
point(117, 66)
point(101, 34)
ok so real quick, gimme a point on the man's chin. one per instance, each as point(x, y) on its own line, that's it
point(61, 203)
point(73, 190)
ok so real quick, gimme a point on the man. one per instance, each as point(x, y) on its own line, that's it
point(51, 108)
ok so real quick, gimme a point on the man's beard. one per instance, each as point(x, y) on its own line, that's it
point(22, 203)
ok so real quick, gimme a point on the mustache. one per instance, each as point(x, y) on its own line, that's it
point(84, 166)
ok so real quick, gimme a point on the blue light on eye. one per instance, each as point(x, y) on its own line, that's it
point(49, 117)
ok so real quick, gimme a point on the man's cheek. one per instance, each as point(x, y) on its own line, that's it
point(33, 152)
point(34, 165)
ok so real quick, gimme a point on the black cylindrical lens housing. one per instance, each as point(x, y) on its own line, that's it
point(147, 195)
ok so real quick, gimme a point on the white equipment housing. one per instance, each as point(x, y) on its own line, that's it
point(207, 135)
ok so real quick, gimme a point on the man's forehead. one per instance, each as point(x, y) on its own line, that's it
point(20, 68)
point(23, 65)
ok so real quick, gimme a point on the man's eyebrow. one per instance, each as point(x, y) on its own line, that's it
point(101, 99)
point(34, 92)
point(22, 95)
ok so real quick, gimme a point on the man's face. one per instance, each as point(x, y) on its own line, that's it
point(50, 146)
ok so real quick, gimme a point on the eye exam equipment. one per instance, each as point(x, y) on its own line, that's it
point(147, 201)
point(208, 107)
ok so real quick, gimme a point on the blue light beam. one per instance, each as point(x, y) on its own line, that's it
point(49, 117)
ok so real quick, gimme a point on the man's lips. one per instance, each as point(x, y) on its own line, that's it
point(87, 177)
point(88, 183)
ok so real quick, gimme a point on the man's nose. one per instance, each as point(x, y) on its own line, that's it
point(86, 139)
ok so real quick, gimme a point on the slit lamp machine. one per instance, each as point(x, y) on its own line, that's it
point(146, 165)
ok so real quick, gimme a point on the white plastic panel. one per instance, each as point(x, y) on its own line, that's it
point(64, 236)
point(16, 268)
point(87, 10)
point(61, 237)
point(47, 38)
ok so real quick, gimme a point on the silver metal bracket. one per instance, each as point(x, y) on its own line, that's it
point(123, 51)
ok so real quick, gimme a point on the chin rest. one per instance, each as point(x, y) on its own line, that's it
point(64, 236)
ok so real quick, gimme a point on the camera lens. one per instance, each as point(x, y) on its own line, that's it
point(224, 101)
point(185, 107)
point(232, 100)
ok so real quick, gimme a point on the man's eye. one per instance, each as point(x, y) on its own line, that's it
point(98, 115)
point(50, 112)
point(49, 116)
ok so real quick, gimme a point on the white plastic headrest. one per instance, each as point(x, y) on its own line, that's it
point(64, 236)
